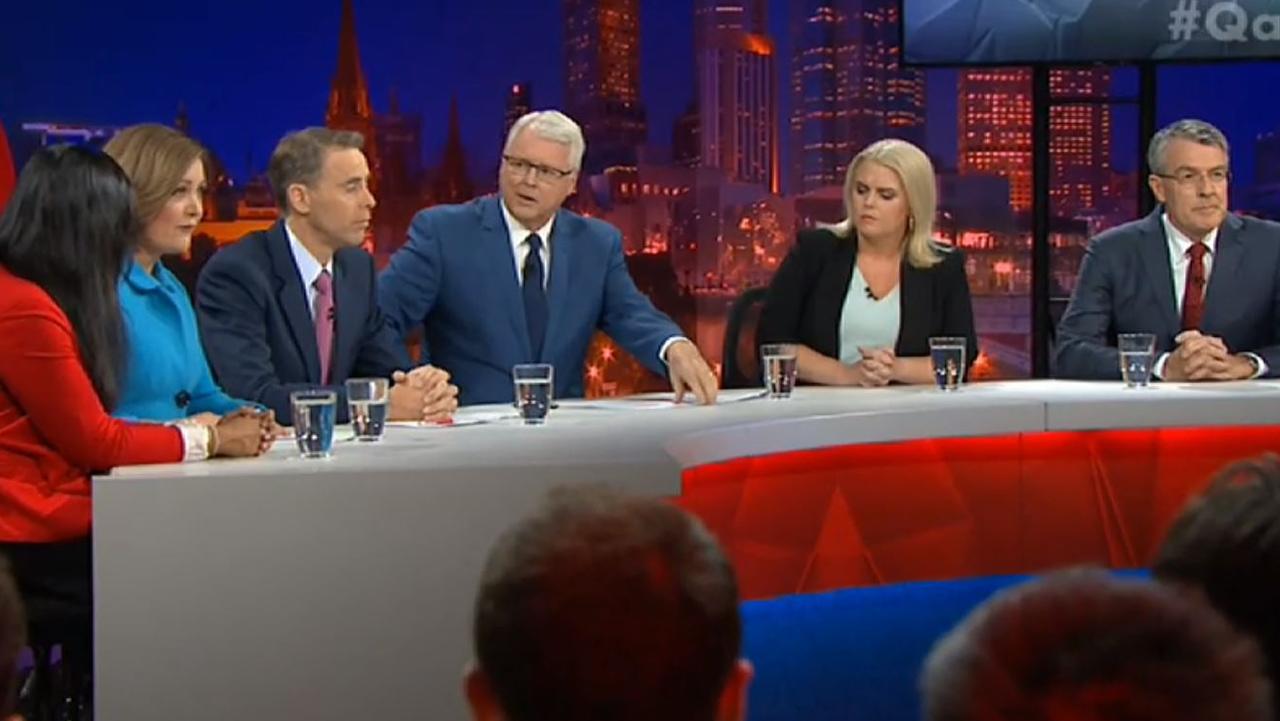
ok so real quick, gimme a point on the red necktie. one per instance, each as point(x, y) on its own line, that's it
point(1193, 296)
point(324, 322)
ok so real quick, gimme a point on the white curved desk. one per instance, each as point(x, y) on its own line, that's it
point(277, 588)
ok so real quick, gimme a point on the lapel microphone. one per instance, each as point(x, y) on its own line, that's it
point(867, 290)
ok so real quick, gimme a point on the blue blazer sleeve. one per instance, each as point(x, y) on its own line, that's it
point(629, 317)
point(408, 288)
point(1082, 351)
point(235, 338)
point(382, 350)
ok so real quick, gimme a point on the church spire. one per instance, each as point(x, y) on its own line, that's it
point(349, 107)
point(452, 183)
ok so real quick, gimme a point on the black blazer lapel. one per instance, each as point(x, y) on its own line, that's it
point(1228, 251)
point(915, 309)
point(293, 300)
point(1153, 254)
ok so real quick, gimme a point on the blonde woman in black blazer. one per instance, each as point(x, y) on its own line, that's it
point(883, 247)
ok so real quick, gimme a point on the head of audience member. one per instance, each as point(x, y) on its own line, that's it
point(1226, 543)
point(604, 607)
point(1190, 169)
point(69, 228)
point(13, 638)
point(540, 164)
point(1085, 646)
point(321, 181)
point(890, 197)
point(167, 171)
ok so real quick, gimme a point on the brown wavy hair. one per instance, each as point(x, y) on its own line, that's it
point(155, 158)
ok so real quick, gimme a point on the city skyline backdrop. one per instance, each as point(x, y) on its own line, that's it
point(715, 129)
point(249, 72)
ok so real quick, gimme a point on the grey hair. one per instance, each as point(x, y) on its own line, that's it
point(299, 158)
point(555, 126)
point(1197, 131)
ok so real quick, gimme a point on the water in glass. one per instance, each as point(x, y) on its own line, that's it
point(313, 421)
point(779, 374)
point(533, 398)
point(368, 419)
point(948, 366)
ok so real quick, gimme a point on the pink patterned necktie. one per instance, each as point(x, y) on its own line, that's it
point(324, 322)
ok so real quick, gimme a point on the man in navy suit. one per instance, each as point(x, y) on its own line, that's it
point(1206, 282)
point(515, 279)
point(295, 307)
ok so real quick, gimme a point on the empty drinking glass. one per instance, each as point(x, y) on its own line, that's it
point(533, 383)
point(778, 363)
point(367, 400)
point(1137, 356)
point(314, 414)
point(947, 356)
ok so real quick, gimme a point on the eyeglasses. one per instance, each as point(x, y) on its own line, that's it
point(520, 167)
point(1192, 178)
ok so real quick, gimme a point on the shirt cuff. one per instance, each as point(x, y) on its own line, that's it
point(662, 352)
point(1262, 365)
point(195, 442)
point(1158, 369)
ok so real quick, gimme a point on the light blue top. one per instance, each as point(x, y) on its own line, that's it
point(866, 322)
point(166, 364)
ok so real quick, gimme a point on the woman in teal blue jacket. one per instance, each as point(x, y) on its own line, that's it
point(167, 377)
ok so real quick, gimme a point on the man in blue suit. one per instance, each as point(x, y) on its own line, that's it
point(1206, 282)
point(517, 279)
point(294, 307)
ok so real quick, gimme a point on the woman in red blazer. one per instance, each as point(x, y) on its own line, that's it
point(64, 237)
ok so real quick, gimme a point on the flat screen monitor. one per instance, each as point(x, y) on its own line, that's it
point(1061, 32)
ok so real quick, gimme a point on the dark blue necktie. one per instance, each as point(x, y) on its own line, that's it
point(535, 296)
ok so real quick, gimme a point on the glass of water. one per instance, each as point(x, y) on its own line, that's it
point(314, 413)
point(367, 400)
point(947, 356)
point(778, 363)
point(533, 391)
point(1137, 356)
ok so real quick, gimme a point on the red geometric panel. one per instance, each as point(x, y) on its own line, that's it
point(934, 509)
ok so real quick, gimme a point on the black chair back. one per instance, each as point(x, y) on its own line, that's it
point(741, 364)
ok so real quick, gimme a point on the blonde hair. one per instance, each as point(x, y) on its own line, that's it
point(919, 184)
point(155, 158)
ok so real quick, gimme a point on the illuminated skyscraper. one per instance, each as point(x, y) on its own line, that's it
point(686, 149)
point(1079, 141)
point(349, 106)
point(738, 128)
point(848, 89)
point(995, 116)
point(602, 79)
point(519, 103)
point(995, 128)
point(736, 91)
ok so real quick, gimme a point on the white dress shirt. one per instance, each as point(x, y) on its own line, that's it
point(1180, 263)
point(308, 268)
point(1180, 258)
point(520, 249)
point(520, 252)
